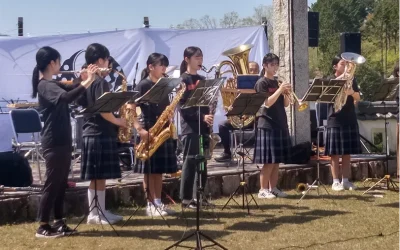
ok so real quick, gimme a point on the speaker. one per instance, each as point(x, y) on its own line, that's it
point(313, 29)
point(15, 170)
point(350, 42)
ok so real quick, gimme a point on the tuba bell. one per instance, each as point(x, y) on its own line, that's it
point(352, 60)
point(239, 65)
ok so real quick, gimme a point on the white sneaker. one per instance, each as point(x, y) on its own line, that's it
point(98, 220)
point(152, 211)
point(265, 194)
point(337, 186)
point(165, 210)
point(278, 193)
point(112, 216)
point(349, 186)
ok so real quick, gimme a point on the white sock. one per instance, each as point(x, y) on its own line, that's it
point(91, 202)
point(149, 204)
point(102, 200)
point(157, 202)
point(336, 181)
point(345, 180)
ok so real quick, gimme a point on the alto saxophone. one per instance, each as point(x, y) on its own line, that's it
point(125, 134)
point(145, 149)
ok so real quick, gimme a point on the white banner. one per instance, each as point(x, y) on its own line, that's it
point(128, 47)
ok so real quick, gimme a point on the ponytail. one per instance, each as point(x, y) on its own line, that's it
point(145, 73)
point(262, 72)
point(35, 81)
point(183, 67)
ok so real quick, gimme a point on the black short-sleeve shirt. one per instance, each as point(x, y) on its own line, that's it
point(190, 116)
point(57, 124)
point(347, 115)
point(95, 124)
point(150, 112)
point(273, 117)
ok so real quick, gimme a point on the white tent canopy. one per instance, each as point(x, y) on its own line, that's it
point(127, 47)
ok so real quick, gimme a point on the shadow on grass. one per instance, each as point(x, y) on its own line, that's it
point(393, 205)
point(271, 223)
point(163, 235)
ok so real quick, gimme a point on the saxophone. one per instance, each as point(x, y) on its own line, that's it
point(125, 134)
point(145, 149)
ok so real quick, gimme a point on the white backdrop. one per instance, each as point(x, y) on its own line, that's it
point(128, 47)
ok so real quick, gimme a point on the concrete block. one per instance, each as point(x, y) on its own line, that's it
point(230, 184)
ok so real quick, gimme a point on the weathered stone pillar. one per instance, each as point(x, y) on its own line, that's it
point(290, 22)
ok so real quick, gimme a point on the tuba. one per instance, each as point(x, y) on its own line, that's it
point(239, 65)
point(125, 134)
point(352, 59)
point(145, 149)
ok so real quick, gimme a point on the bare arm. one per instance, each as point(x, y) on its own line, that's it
point(111, 118)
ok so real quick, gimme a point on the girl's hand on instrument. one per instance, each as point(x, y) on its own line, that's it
point(285, 87)
point(349, 91)
point(121, 122)
point(209, 119)
point(144, 134)
point(91, 72)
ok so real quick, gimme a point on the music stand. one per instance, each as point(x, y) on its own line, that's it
point(155, 94)
point(243, 105)
point(324, 91)
point(107, 103)
point(202, 96)
point(388, 91)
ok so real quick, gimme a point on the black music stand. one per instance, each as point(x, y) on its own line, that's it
point(244, 104)
point(324, 91)
point(156, 94)
point(202, 96)
point(107, 103)
point(388, 91)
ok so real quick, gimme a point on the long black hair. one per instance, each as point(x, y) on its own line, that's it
point(44, 56)
point(335, 61)
point(189, 52)
point(96, 51)
point(269, 58)
point(395, 72)
point(154, 59)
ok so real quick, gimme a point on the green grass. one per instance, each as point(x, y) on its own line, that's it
point(345, 220)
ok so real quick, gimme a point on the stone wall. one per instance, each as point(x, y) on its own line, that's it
point(24, 208)
point(290, 19)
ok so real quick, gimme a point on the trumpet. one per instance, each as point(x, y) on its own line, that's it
point(293, 99)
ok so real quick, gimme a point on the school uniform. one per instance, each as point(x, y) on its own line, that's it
point(99, 158)
point(164, 159)
point(272, 137)
point(342, 132)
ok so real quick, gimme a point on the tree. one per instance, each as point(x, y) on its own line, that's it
point(230, 20)
point(208, 22)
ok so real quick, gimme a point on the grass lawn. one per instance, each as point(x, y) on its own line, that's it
point(345, 220)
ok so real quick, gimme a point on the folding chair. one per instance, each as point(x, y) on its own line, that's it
point(27, 122)
point(235, 139)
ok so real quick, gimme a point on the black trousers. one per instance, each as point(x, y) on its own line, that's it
point(58, 162)
point(224, 132)
point(189, 174)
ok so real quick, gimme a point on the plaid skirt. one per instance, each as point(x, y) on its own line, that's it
point(99, 158)
point(272, 146)
point(342, 141)
point(163, 161)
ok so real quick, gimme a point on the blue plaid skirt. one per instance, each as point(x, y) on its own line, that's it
point(99, 158)
point(272, 146)
point(342, 141)
point(163, 161)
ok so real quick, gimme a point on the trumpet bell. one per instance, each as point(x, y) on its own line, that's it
point(353, 57)
point(302, 106)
